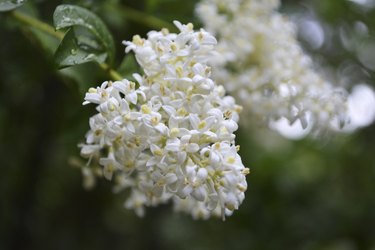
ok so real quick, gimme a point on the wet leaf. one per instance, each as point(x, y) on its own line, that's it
point(6, 5)
point(88, 38)
point(75, 49)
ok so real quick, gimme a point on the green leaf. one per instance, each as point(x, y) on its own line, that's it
point(151, 5)
point(45, 41)
point(128, 66)
point(76, 49)
point(6, 5)
point(82, 77)
point(88, 40)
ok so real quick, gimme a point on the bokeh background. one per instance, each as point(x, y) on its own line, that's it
point(314, 193)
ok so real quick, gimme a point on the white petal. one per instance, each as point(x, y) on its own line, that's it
point(107, 172)
point(192, 148)
point(173, 145)
point(93, 98)
point(121, 86)
point(199, 193)
point(132, 97)
point(169, 109)
point(181, 157)
point(202, 174)
point(184, 192)
point(194, 121)
point(170, 178)
point(230, 125)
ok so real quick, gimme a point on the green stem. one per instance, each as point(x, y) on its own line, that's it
point(30, 21)
point(111, 72)
point(42, 26)
point(148, 20)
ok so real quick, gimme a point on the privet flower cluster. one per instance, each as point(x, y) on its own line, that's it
point(263, 66)
point(168, 136)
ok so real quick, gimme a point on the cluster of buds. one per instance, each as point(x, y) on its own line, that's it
point(169, 134)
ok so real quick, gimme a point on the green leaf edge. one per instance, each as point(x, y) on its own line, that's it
point(8, 5)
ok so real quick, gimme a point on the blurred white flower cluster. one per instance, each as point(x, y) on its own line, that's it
point(261, 63)
point(168, 135)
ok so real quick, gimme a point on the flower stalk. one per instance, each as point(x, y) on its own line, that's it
point(148, 20)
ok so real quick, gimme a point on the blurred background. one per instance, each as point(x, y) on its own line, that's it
point(312, 193)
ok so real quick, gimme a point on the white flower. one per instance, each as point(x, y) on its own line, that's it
point(169, 135)
point(263, 66)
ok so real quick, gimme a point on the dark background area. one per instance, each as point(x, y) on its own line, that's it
point(315, 193)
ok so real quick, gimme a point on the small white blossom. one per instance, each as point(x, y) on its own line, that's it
point(169, 135)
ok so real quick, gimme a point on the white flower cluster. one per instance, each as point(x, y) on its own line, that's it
point(262, 64)
point(169, 135)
